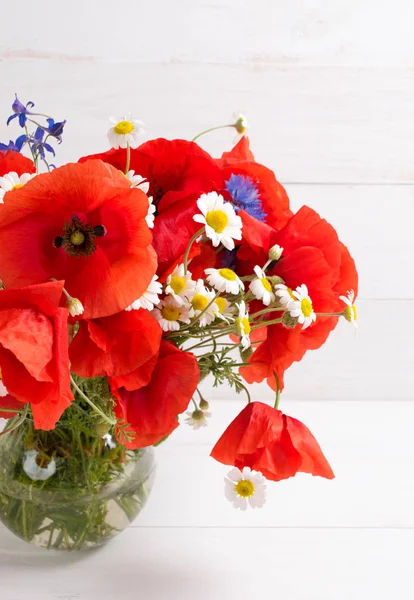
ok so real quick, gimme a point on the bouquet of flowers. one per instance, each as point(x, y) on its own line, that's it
point(126, 279)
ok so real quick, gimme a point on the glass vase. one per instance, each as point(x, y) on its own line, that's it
point(73, 488)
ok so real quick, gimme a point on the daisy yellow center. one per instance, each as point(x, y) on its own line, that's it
point(170, 313)
point(221, 303)
point(17, 186)
point(350, 313)
point(290, 292)
point(177, 284)
point(217, 219)
point(199, 302)
point(266, 284)
point(77, 238)
point(306, 307)
point(124, 127)
point(198, 415)
point(228, 274)
point(244, 325)
point(244, 488)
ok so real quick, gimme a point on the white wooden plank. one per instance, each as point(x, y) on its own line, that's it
point(368, 444)
point(259, 31)
point(373, 363)
point(375, 223)
point(180, 564)
point(308, 124)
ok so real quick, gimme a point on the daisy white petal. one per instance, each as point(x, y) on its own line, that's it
point(202, 302)
point(149, 298)
point(13, 181)
point(125, 132)
point(222, 225)
point(224, 280)
point(169, 315)
point(350, 312)
point(261, 287)
point(301, 307)
point(243, 325)
point(244, 488)
point(197, 418)
point(180, 285)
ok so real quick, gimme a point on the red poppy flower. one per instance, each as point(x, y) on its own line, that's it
point(178, 172)
point(34, 358)
point(9, 402)
point(312, 255)
point(273, 196)
point(14, 161)
point(152, 410)
point(84, 224)
point(266, 440)
point(115, 345)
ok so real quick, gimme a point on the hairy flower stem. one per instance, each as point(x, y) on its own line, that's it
point(277, 390)
point(128, 158)
point(211, 129)
point(187, 251)
point(17, 424)
point(92, 405)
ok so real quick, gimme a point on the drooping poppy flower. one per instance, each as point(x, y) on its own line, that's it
point(178, 172)
point(152, 410)
point(267, 440)
point(115, 345)
point(84, 224)
point(15, 162)
point(312, 255)
point(34, 358)
point(253, 187)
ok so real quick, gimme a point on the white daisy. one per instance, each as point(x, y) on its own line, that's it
point(244, 488)
point(275, 252)
point(200, 300)
point(284, 294)
point(224, 280)
point(125, 132)
point(197, 418)
point(243, 325)
point(36, 471)
point(152, 209)
point(109, 441)
point(261, 287)
point(222, 224)
point(180, 285)
point(137, 181)
point(169, 315)
point(302, 308)
point(224, 309)
point(13, 181)
point(149, 298)
point(350, 312)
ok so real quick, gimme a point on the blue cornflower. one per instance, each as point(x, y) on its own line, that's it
point(21, 111)
point(228, 258)
point(245, 196)
point(55, 129)
point(14, 146)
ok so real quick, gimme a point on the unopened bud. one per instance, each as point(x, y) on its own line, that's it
point(289, 321)
point(241, 124)
point(204, 405)
point(75, 307)
point(245, 353)
point(275, 252)
point(276, 280)
point(102, 429)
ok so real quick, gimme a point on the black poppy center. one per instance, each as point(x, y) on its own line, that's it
point(78, 237)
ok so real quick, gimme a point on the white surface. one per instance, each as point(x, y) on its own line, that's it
point(328, 88)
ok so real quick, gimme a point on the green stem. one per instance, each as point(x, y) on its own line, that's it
point(198, 317)
point(212, 338)
point(211, 129)
point(17, 424)
point(266, 324)
point(195, 403)
point(249, 398)
point(91, 404)
point(187, 251)
point(267, 310)
point(340, 314)
point(30, 148)
point(277, 390)
point(128, 158)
